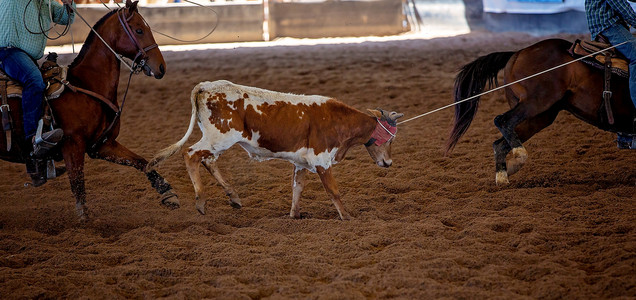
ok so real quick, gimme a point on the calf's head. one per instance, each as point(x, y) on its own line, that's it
point(379, 145)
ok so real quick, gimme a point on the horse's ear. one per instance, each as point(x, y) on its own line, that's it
point(132, 6)
point(376, 113)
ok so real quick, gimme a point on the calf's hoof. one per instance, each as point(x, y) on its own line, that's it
point(201, 209)
point(346, 217)
point(235, 203)
point(170, 200)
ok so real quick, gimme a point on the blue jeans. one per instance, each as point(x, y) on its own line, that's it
point(617, 34)
point(22, 68)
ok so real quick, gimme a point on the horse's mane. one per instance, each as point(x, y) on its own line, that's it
point(90, 39)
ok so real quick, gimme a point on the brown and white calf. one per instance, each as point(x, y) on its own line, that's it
point(312, 132)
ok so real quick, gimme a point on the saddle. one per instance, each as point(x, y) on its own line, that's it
point(604, 58)
point(619, 65)
point(53, 76)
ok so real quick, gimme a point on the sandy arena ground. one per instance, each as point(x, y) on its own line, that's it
point(428, 227)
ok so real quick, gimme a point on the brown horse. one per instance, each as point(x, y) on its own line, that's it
point(535, 102)
point(91, 125)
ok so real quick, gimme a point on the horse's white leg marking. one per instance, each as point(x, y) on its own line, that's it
point(518, 159)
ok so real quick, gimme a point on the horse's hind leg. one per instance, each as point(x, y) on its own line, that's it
point(501, 148)
point(210, 165)
point(521, 133)
point(117, 153)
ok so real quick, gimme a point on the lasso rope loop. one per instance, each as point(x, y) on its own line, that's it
point(509, 84)
point(392, 134)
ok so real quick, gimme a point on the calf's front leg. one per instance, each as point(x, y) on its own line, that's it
point(331, 187)
point(298, 183)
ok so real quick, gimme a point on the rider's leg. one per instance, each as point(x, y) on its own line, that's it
point(22, 68)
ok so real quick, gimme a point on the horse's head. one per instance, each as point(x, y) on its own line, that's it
point(137, 42)
point(379, 145)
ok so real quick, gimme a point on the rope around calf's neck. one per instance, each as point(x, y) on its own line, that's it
point(511, 83)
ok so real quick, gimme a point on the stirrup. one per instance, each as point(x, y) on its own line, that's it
point(41, 145)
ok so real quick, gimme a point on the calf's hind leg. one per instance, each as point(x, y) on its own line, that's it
point(192, 163)
point(206, 158)
point(210, 165)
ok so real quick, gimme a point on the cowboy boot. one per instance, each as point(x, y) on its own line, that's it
point(36, 168)
point(48, 140)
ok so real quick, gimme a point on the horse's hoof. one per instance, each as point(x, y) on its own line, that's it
point(170, 200)
point(520, 154)
point(501, 178)
point(81, 211)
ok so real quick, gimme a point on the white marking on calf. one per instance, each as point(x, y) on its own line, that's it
point(258, 96)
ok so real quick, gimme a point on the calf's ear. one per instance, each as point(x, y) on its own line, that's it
point(376, 113)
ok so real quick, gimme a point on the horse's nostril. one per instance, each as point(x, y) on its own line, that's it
point(162, 69)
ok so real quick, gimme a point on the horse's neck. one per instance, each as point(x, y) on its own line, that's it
point(98, 71)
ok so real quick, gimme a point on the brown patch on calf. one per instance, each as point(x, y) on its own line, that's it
point(286, 127)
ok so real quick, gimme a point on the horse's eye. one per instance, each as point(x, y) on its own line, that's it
point(139, 31)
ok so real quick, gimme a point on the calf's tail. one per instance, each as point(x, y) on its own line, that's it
point(172, 149)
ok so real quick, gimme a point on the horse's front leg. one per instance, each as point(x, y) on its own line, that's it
point(117, 153)
point(73, 153)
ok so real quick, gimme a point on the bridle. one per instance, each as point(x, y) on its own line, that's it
point(141, 57)
point(138, 63)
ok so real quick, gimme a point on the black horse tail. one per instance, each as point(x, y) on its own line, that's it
point(471, 81)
